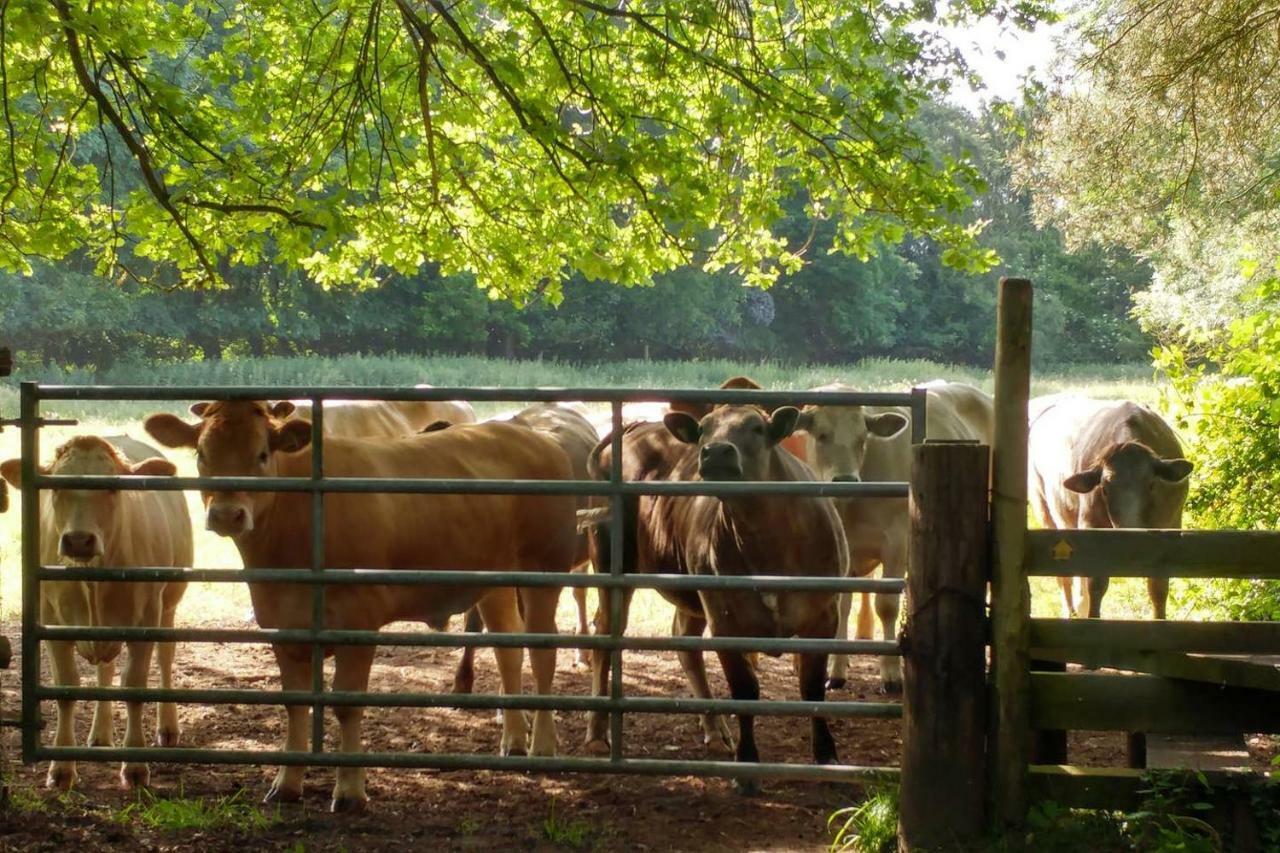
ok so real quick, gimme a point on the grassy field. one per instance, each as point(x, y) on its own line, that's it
point(229, 602)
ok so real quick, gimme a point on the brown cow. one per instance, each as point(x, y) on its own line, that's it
point(730, 536)
point(477, 532)
point(117, 529)
point(577, 438)
point(379, 418)
point(1104, 463)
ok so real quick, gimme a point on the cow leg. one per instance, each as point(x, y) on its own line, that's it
point(887, 607)
point(715, 728)
point(601, 663)
point(1095, 588)
point(134, 774)
point(744, 686)
point(62, 659)
point(501, 616)
point(866, 628)
point(351, 666)
point(167, 729)
point(464, 677)
point(1067, 585)
point(1158, 590)
point(101, 732)
point(295, 674)
point(540, 618)
point(813, 689)
point(581, 657)
point(840, 665)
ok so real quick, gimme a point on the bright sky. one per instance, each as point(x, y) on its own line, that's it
point(1023, 52)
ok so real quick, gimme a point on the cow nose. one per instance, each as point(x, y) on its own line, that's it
point(719, 460)
point(846, 478)
point(227, 520)
point(79, 544)
point(718, 453)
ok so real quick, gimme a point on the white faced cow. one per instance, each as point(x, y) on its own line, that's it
point(117, 529)
point(873, 443)
point(1104, 463)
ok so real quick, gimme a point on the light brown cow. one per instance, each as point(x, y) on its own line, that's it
point(730, 536)
point(1104, 463)
point(379, 418)
point(577, 438)
point(475, 532)
point(117, 529)
point(873, 443)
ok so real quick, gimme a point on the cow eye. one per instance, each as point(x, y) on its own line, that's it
point(262, 458)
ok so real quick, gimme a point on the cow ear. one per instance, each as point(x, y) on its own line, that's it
point(740, 382)
point(156, 466)
point(282, 409)
point(1084, 481)
point(11, 470)
point(1173, 470)
point(171, 430)
point(198, 409)
point(436, 426)
point(782, 423)
point(291, 436)
point(683, 426)
point(886, 424)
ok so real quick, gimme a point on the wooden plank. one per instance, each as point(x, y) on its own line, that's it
point(1010, 594)
point(944, 718)
point(1114, 788)
point(1148, 635)
point(1147, 703)
point(1154, 553)
point(1209, 669)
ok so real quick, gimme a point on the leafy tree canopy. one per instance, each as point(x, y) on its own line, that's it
point(513, 139)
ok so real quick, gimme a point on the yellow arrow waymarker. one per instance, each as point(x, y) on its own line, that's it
point(1062, 551)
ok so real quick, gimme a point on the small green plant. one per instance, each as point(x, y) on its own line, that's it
point(869, 827)
point(468, 826)
point(571, 834)
point(179, 813)
point(24, 798)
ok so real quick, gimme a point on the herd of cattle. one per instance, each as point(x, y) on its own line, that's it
point(1093, 464)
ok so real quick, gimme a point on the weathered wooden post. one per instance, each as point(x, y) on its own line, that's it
point(1010, 595)
point(944, 727)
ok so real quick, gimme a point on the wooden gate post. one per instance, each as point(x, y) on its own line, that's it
point(1010, 595)
point(944, 725)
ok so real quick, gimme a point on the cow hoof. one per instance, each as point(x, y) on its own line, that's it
point(279, 794)
point(134, 776)
point(834, 683)
point(596, 746)
point(746, 787)
point(61, 778)
point(891, 688)
point(349, 805)
point(167, 738)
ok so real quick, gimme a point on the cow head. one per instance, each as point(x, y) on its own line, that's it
point(734, 442)
point(233, 439)
point(85, 520)
point(1138, 488)
point(839, 435)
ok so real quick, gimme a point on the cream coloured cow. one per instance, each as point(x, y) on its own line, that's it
point(1104, 463)
point(873, 443)
point(116, 529)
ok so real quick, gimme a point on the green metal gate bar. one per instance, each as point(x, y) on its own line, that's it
point(317, 636)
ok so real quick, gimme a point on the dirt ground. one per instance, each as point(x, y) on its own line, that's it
point(470, 810)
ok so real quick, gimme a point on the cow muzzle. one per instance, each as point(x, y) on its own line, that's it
point(229, 519)
point(80, 545)
point(719, 461)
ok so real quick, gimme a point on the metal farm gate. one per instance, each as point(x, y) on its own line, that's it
point(611, 581)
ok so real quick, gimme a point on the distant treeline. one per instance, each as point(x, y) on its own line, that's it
point(903, 303)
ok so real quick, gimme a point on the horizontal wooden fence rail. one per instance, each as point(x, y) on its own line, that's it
point(1227, 638)
point(1154, 553)
point(1147, 703)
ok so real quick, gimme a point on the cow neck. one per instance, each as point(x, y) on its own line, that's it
point(745, 521)
point(267, 546)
